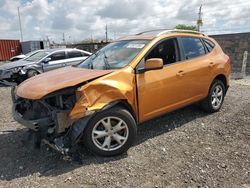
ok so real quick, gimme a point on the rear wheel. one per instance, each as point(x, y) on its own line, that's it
point(110, 132)
point(215, 98)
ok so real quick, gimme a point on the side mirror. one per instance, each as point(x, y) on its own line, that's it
point(152, 64)
point(46, 60)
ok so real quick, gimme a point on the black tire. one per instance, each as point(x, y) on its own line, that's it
point(207, 104)
point(32, 73)
point(13, 96)
point(127, 121)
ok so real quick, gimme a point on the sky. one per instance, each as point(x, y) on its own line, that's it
point(81, 19)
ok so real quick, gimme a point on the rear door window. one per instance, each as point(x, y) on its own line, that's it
point(74, 54)
point(85, 55)
point(57, 56)
point(192, 47)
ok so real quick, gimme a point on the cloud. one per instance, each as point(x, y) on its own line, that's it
point(79, 19)
point(126, 9)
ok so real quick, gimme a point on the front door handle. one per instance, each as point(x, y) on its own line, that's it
point(211, 64)
point(180, 73)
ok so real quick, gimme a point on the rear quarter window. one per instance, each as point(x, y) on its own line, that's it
point(74, 54)
point(209, 45)
point(192, 47)
point(85, 55)
point(57, 56)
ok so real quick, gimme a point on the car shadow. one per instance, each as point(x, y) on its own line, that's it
point(18, 161)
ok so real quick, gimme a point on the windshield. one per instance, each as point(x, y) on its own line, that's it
point(37, 56)
point(115, 55)
point(31, 53)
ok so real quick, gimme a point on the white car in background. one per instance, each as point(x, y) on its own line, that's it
point(23, 56)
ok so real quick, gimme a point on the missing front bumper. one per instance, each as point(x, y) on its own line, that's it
point(44, 129)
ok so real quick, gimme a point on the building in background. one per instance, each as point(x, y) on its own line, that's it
point(88, 46)
point(235, 45)
point(29, 46)
point(9, 48)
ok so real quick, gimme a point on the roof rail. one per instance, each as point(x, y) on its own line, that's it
point(151, 31)
point(180, 31)
point(167, 31)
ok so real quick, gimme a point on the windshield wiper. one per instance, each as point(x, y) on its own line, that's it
point(90, 65)
point(105, 60)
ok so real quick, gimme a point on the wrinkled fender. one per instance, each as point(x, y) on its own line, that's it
point(36, 67)
point(105, 91)
point(100, 94)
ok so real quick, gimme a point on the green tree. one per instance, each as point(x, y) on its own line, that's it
point(186, 27)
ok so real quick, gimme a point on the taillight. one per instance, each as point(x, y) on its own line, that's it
point(228, 59)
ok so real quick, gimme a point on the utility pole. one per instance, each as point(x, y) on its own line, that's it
point(20, 24)
point(199, 21)
point(106, 32)
point(63, 38)
point(91, 38)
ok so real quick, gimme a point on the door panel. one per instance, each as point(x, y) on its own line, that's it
point(58, 60)
point(75, 61)
point(199, 66)
point(160, 91)
point(51, 65)
point(198, 76)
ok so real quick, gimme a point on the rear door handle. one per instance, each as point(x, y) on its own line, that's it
point(180, 73)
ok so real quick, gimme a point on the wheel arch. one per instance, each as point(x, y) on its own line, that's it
point(33, 69)
point(123, 104)
point(224, 80)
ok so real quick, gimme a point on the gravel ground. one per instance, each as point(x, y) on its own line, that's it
point(186, 148)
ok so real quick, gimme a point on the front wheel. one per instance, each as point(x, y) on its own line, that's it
point(215, 98)
point(32, 73)
point(110, 132)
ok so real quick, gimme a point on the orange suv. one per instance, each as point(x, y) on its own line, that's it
point(103, 99)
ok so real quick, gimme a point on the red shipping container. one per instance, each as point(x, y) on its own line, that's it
point(9, 48)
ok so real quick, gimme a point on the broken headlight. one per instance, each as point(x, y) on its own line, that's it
point(16, 69)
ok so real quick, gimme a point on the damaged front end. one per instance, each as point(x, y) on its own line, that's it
point(49, 119)
point(11, 77)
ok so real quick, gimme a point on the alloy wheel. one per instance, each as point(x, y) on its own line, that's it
point(110, 133)
point(217, 96)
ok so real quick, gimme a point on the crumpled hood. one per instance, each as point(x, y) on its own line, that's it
point(46, 83)
point(15, 64)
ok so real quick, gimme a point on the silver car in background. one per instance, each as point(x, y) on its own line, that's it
point(14, 73)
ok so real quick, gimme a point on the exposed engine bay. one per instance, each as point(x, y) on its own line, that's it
point(48, 118)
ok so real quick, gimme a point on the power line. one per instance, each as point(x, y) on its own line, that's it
point(227, 4)
point(227, 29)
point(225, 8)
